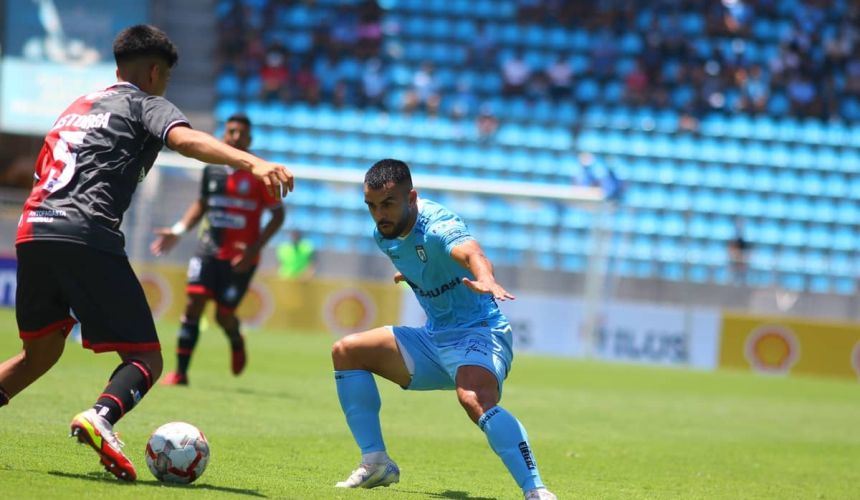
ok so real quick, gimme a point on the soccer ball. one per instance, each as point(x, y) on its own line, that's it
point(177, 452)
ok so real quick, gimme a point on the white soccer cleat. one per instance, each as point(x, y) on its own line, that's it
point(540, 494)
point(371, 476)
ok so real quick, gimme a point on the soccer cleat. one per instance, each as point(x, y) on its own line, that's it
point(238, 359)
point(94, 430)
point(371, 476)
point(175, 378)
point(539, 494)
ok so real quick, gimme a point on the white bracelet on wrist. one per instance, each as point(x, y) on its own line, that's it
point(178, 229)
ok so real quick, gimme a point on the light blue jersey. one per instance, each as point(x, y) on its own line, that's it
point(424, 258)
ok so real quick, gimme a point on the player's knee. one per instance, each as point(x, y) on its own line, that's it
point(476, 401)
point(341, 352)
point(226, 320)
point(153, 361)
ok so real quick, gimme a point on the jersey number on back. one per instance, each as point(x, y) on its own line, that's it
point(59, 177)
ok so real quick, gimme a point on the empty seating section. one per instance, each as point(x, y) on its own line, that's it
point(793, 181)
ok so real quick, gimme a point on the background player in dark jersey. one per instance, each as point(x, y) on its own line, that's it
point(230, 244)
point(70, 251)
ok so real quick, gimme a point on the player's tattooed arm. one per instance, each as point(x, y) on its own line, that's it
point(471, 256)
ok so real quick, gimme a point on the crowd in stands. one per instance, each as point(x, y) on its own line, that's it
point(347, 63)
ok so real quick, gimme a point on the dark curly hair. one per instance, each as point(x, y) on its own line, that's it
point(388, 170)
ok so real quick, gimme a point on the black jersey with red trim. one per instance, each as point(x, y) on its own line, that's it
point(92, 159)
point(235, 201)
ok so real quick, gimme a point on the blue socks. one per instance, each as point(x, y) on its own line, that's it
point(359, 399)
point(509, 440)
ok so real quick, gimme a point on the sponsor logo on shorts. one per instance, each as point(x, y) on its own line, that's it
point(476, 346)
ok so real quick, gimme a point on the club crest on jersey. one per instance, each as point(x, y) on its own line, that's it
point(419, 249)
point(244, 186)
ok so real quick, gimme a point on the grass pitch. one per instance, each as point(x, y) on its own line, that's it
point(598, 430)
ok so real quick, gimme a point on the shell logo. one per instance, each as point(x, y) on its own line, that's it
point(855, 358)
point(257, 305)
point(349, 311)
point(772, 349)
point(158, 292)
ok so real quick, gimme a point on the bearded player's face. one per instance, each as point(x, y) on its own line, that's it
point(391, 207)
point(238, 135)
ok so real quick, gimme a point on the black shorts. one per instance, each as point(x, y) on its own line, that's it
point(57, 280)
point(216, 279)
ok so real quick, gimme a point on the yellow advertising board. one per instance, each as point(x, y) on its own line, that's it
point(319, 305)
point(778, 345)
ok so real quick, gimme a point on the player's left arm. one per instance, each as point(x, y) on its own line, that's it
point(253, 250)
point(470, 255)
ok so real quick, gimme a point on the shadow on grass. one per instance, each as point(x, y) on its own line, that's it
point(257, 392)
point(107, 478)
point(459, 495)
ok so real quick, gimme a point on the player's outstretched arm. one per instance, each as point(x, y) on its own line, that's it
point(202, 146)
point(167, 237)
point(471, 256)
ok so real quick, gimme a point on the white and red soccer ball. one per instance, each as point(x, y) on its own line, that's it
point(177, 452)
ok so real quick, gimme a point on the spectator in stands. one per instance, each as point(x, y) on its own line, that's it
point(307, 84)
point(802, 95)
point(327, 70)
point(755, 89)
point(464, 102)
point(424, 92)
point(636, 85)
point(596, 173)
point(738, 16)
point(529, 11)
point(275, 75)
point(374, 84)
point(587, 176)
point(342, 95)
point(516, 74)
point(369, 30)
point(604, 53)
point(560, 76)
point(852, 75)
point(739, 249)
point(343, 30)
point(482, 48)
point(487, 123)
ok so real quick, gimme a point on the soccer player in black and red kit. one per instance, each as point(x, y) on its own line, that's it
point(72, 264)
point(229, 250)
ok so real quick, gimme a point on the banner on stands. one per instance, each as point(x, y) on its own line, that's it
point(337, 306)
point(641, 333)
point(780, 346)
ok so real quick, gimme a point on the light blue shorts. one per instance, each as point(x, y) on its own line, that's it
point(433, 358)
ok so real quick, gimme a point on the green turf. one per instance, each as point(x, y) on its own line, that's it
point(599, 430)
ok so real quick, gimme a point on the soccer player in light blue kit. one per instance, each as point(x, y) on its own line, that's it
point(465, 344)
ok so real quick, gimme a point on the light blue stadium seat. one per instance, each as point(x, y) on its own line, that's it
point(587, 91)
point(227, 85)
